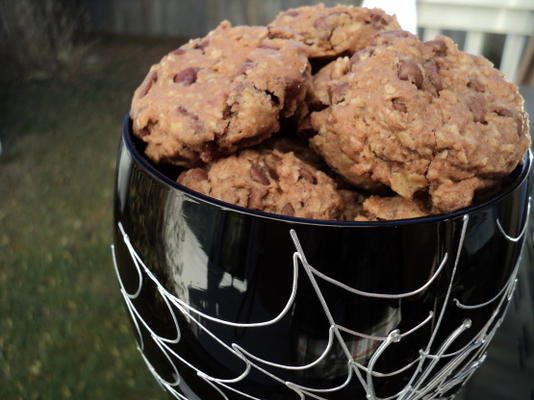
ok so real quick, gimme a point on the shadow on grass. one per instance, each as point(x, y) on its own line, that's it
point(63, 329)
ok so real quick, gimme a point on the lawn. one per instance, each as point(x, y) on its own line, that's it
point(63, 329)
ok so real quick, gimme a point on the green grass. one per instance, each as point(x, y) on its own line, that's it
point(63, 328)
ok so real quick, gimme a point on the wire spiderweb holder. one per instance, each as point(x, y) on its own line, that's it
point(434, 373)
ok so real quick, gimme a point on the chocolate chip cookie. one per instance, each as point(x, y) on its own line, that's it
point(330, 32)
point(218, 94)
point(418, 117)
point(270, 181)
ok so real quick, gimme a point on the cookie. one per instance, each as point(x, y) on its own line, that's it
point(352, 204)
point(270, 181)
point(330, 32)
point(418, 117)
point(218, 94)
point(376, 208)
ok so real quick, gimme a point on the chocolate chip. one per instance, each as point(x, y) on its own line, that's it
point(432, 71)
point(255, 197)
point(323, 23)
point(187, 77)
point(143, 132)
point(409, 70)
point(248, 64)
point(307, 176)
point(292, 13)
point(395, 34)
point(438, 47)
point(273, 174)
point(475, 84)
point(478, 107)
point(150, 80)
point(202, 45)
point(184, 111)
point(336, 92)
point(288, 210)
point(502, 112)
point(147, 129)
point(258, 174)
point(268, 47)
point(320, 23)
point(389, 37)
point(399, 105)
point(377, 20)
point(178, 52)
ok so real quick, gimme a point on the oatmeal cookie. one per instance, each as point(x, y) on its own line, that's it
point(218, 94)
point(270, 181)
point(329, 32)
point(418, 117)
point(376, 208)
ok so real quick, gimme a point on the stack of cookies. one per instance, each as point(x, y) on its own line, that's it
point(332, 113)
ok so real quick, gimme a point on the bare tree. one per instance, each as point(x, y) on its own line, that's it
point(42, 36)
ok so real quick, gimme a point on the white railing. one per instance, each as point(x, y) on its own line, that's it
point(513, 18)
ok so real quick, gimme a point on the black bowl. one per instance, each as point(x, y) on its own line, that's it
point(232, 303)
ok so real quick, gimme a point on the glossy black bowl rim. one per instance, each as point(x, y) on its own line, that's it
point(151, 170)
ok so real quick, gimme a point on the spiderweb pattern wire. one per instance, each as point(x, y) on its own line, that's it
point(433, 374)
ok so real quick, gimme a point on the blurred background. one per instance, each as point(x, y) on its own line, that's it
point(67, 72)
